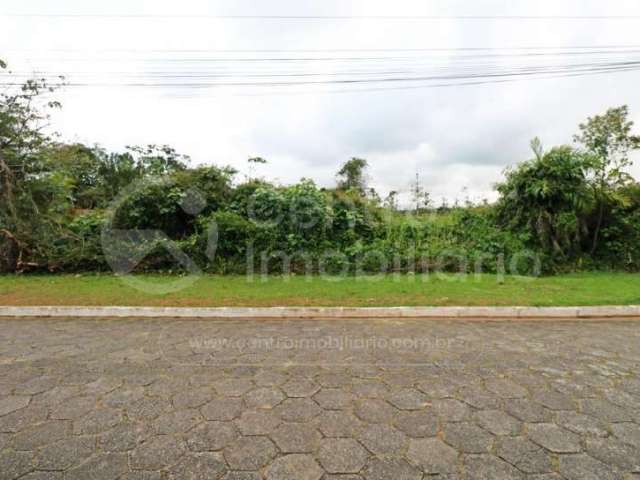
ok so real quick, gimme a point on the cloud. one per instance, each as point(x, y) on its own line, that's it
point(455, 137)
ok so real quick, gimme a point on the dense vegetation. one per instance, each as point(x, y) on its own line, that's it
point(71, 207)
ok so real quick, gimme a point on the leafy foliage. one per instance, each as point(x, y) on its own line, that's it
point(567, 208)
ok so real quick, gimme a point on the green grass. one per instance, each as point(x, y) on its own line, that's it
point(563, 290)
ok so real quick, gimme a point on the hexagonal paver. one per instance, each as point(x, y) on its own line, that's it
point(604, 410)
point(99, 467)
point(179, 421)
point(581, 424)
point(233, 387)
point(250, 453)
point(265, 397)
point(342, 455)
point(42, 434)
point(199, 466)
point(498, 422)
point(294, 467)
point(300, 387)
point(432, 456)
point(553, 400)
point(553, 438)
point(12, 403)
point(417, 424)
point(211, 436)
point(615, 453)
point(505, 388)
point(257, 422)
point(450, 410)
point(65, 453)
point(298, 410)
point(73, 408)
point(222, 409)
point(584, 467)
point(467, 437)
point(156, 453)
point(97, 421)
point(338, 424)
point(409, 399)
point(396, 469)
point(123, 437)
point(296, 438)
point(524, 455)
point(334, 399)
point(15, 464)
point(374, 411)
point(628, 433)
point(383, 440)
point(484, 467)
point(192, 398)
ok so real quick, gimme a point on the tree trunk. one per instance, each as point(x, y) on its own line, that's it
point(596, 233)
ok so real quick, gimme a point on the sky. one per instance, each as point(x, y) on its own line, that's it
point(309, 93)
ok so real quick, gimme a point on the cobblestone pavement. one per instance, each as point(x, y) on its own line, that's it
point(311, 400)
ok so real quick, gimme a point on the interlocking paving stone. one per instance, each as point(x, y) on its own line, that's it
point(12, 403)
point(374, 411)
point(156, 453)
point(250, 453)
point(417, 424)
point(554, 438)
point(99, 467)
point(296, 438)
point(199, 466)
point(467, 437)
point(298, 410)
point(614, 452)
point(15, 464)
point(524, 455)
point(257, 422)
point(132, 400)
point(396, 469)
point(383, 440)
point(333, 399)
point(223, 409)
point(584, 467)
point(263, 397)
point(488, 467)
point(498, 422)
point(433, 456)
point(211, 436)
point(294, 467)
point(342, 455)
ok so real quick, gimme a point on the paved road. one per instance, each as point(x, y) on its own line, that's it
point(305, 400)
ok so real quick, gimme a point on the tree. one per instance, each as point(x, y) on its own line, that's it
point(352, 175)
point(420, 196)
point(391, 200)
point(608, 140)
point(547, 198)
point(27, 183)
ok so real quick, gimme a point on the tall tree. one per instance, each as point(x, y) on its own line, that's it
point(608, 140)
point(352, 175)
point(27, 185)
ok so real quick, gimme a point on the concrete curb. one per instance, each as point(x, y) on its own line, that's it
point(326, 312)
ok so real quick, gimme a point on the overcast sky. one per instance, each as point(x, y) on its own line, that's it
point(457, 137)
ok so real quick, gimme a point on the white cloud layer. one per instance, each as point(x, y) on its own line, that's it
point(457, 138)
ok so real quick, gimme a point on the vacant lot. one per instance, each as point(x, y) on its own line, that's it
point(467, 290)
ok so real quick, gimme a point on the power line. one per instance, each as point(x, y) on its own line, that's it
point(525, 71)
point(323, 50)
point(323, 17)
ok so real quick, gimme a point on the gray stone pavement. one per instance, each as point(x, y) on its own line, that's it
point(310, 400)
